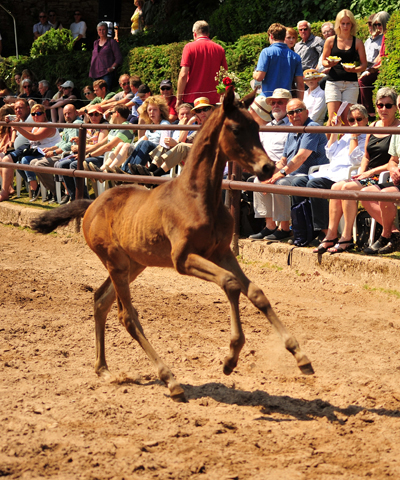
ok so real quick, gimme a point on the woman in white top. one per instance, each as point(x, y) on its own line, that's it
point(78, 30)
point(343, 153)
point(39, 138)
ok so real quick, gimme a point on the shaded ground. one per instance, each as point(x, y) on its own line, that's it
point(266, 420)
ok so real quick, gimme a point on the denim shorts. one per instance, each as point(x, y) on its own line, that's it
point(341, 91)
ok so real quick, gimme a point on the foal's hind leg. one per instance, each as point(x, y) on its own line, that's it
point(103, 300)
point(129, 318)
point(257, 297)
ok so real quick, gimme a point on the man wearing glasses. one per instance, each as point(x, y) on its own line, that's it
point(301, 151)
point(310, 47)
point(68, 96)
point(42, 27)
point(53, 21)
point(167, 92)
point(54, 153)
point(120, 98)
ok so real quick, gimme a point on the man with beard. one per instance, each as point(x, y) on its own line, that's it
point(274, 208)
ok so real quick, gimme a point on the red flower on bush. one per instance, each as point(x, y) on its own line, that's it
point(227, 81)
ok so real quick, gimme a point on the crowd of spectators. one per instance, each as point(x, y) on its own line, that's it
point(308, 81)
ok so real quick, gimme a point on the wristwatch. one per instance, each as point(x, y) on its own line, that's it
point(54, 152)
point(283, 172)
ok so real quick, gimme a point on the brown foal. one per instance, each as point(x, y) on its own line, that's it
point(182, 224)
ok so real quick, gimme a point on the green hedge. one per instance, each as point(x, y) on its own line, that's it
point(390, 70)
point(154, 63)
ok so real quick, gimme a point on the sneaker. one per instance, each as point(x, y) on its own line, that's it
point(49, 198)
point(264, 233)
point(392, 245)
point(279, 235)
point(64, 200)
point(377, 246)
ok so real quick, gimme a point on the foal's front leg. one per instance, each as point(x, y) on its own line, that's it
point(199, 267)
point(258, 299)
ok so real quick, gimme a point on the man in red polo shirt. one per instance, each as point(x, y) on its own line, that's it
point(201, 61)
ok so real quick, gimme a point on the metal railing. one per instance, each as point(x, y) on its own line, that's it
point(231, 184)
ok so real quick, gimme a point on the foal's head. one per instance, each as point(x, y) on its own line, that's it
point(239, 139)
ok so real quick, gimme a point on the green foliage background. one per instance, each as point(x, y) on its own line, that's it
point(52, 55)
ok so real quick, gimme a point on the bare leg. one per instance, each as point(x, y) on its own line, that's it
point(259, 300)
point(383, 212)
point(333, 107)
point(120, 155)
point(349, 211)
point(7, 174)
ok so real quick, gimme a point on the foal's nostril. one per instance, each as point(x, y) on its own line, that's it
point(268, 170)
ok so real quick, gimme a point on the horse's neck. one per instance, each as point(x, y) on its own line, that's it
point(203, 173)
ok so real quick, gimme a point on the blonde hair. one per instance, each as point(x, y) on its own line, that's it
point(155, 100)
point(340, 16)
point(37, 107)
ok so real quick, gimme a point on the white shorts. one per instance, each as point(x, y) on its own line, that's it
point(341, 91)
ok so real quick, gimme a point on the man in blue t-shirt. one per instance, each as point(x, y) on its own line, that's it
point(277, 65)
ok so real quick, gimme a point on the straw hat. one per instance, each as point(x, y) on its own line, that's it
point(312, 74)
point(279, 93)
point(261, 108)
point(201, 102)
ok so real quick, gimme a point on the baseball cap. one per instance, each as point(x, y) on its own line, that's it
point(68, 84)
point(166, 83)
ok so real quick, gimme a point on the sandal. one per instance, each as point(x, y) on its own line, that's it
point(320, 249)
point(338, 249)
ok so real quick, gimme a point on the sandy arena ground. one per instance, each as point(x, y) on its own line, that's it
point(265, 421)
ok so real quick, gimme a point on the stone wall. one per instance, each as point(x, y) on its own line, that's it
point(26, 13)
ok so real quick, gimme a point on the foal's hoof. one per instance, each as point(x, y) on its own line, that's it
point(229, 366)
point(307, 369)
point(178, 395)
point(104, 373)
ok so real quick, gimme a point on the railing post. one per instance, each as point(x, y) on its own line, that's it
point(80, 182)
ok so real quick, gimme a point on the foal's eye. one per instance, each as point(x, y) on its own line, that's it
point(235, 131)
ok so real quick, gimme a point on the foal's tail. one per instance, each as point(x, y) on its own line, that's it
point(49, 221)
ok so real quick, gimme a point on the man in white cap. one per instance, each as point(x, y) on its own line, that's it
point(68, 96)
point(274, 208)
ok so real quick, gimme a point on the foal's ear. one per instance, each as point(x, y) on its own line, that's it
point(229, 100)
point(248, 99)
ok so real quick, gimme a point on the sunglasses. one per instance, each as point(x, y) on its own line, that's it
point(94, 114)
point(27, 86)
point(298, 110)
point(112, 111)
point(303, 29)
point(87, 93)
point(352, 120)
point(124, 84)
point(66, 88)
point(369, 23)
point(205, 109)
point(42, 16)
point(36, 114)
point(165, 88)
point(388, 106)
point(377, 25)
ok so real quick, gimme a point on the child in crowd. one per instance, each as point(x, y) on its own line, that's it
point(314, 97)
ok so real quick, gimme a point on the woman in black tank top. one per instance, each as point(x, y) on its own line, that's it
point(340, 54)
point(374, 162)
